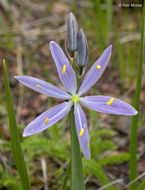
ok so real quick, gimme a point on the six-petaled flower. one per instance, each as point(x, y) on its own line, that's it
point(72, 97)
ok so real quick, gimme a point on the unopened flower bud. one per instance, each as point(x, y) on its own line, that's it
point(72, 33)
point(82, 49)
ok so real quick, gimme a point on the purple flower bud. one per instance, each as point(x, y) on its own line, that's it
point(72, 33)
point(82, 49)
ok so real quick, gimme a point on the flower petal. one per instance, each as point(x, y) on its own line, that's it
point(95, 71)
point(47, 119)
point(108, 104)
point(64, 68)
point(42, 87)
point(82, 131)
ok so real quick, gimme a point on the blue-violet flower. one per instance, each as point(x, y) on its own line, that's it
point(67, 76)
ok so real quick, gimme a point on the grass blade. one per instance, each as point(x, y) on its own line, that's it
point(16, 146)
point(133, 140)
point(109, 14)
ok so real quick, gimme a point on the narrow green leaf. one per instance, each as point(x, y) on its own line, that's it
point(109, 14)
point(77, 179)
point(15, 139)
point(133, 140)
point(119, 49)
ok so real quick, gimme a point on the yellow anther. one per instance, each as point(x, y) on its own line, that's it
point(71, 60)
point(81, 132)
point(64, 69)
point(46, 121)
point(38, 85)
point(98, 67)
point(110, 102)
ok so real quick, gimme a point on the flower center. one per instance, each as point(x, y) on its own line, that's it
point(75, 99)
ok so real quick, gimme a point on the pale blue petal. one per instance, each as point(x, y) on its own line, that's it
point(99, 104)
point(42, 87)
point(68, 78)
point(53, 115)
point(81, 122)
point(94, 74)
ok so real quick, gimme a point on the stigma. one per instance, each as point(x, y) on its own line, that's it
point(110, 102)
point(46, 121)
point(64, 69)
point(98, 67)
point(75, 99)
point(81, 132)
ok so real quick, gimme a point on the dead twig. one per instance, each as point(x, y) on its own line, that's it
point(139, 177)
point(38, 22)
point(34, 6)
point(112, 183)
point(129, 38)
point(44, 171)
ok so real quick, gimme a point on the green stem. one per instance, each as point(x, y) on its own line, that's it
point(133, 140)
point(77, 179)
point(15, 139)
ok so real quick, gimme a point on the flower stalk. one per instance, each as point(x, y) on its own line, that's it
point(77, 178)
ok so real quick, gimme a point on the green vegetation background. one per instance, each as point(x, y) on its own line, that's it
point(26, 28)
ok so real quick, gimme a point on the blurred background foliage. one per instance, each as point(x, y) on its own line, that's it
point(26, 28)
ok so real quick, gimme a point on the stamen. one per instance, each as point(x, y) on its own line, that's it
point(98, 67)
point(71, 60)
point(110, 102)
point(38, 85)
point(64, 69)
point(46, 121)
point(81, 132)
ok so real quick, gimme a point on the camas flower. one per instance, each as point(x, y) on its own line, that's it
point(67, 76)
